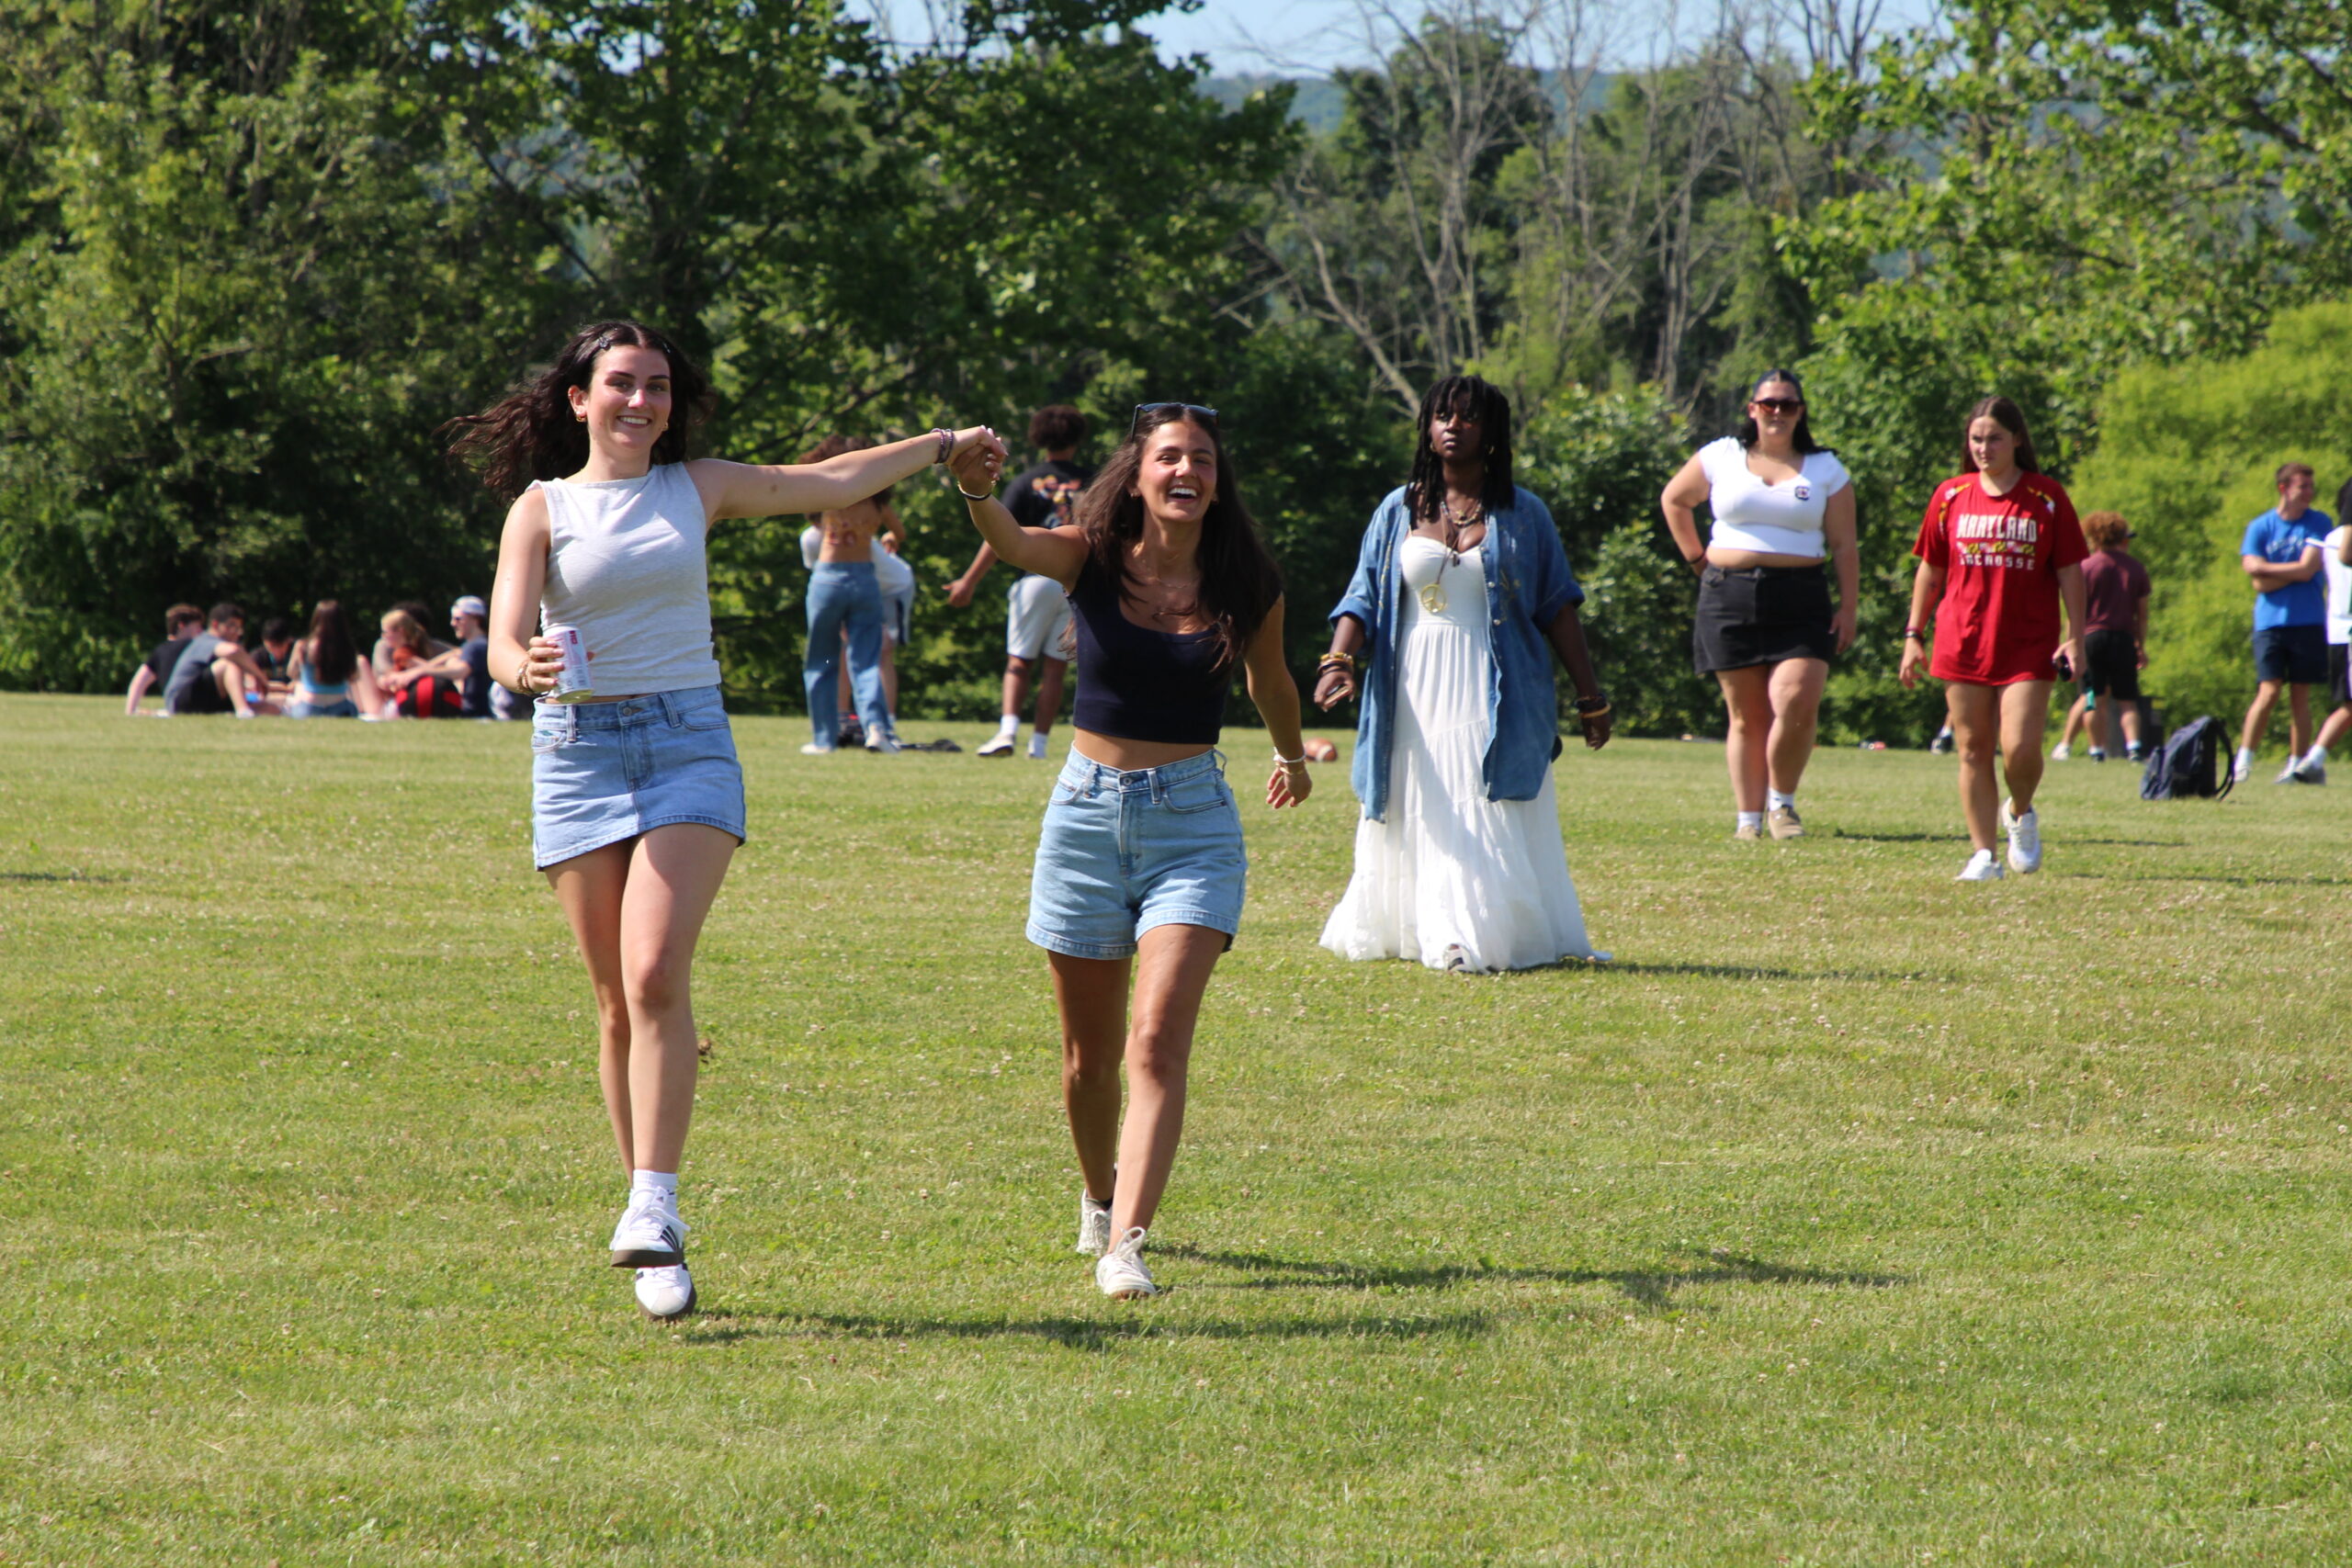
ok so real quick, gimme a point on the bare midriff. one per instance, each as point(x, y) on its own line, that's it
point(849, 535)
point(1743, 561)
point(1126, 756)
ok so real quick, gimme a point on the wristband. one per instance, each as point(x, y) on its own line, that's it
point(1909, 633)
point(1337, 660)
point(946, 445)
point(1282, 760)
point(967, 495)
point(1591, 707)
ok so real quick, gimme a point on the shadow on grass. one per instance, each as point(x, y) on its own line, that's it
point(1075, 1333)
point(1766, 972)
point(1651, 1288)
point(1962, 838)
point(53, 877)
point(2224, 881)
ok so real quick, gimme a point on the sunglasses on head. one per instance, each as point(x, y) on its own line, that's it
point(1780, 405)
point(1207, 416)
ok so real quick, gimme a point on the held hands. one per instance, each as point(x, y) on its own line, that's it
point(976, 465)
point(1289, 784)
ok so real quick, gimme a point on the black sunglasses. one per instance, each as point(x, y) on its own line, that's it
point(1207, 416)
point(1780, 405)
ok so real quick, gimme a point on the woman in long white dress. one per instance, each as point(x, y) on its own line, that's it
point(1462, 598)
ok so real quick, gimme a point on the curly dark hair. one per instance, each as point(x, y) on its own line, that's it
point(532, 434)
point(1460, 397)
point(834, 446)
point(1240, 581)
point(1056, 427)
point(1747, 433)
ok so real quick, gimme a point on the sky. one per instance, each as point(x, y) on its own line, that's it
point(1310, 37)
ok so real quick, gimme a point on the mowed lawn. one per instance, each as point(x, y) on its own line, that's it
point(1850, 1216)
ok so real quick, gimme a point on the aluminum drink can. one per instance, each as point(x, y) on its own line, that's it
point(572, 685)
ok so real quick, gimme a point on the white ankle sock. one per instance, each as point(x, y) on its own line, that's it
point(663, 1181)
point(1009, 724)
point(1751, 818)
point(2245, 756)
point(1774, 800)
point(2315, 758)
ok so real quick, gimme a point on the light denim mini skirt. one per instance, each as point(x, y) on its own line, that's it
point(603, 773)
point(1122, 853)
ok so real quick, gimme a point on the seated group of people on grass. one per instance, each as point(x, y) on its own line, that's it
point(203, 666)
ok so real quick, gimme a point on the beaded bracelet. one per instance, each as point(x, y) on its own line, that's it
point(946, 444)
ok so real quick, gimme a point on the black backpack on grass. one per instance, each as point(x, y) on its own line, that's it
point(2188, 763)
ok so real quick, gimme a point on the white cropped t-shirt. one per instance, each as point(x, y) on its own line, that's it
point(1773, 519)
point(626, 570)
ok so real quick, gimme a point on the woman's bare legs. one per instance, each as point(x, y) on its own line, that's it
point(1976, 720)
point(1747, 704)
point(1796, 689)
point(637, 909)
point(2025, 723)
point(1172, 966)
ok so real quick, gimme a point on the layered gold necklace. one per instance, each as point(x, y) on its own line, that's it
point(1432, 592)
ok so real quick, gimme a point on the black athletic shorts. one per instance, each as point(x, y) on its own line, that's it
point(202, 695)
point(2339, 675)
point(2296, 655)
point(2112, 661)
point(1761, 615)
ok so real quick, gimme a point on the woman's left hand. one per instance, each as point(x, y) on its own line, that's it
point(975, 467)
point(1289, 786)
point(1595, 727)
point(1842, 624)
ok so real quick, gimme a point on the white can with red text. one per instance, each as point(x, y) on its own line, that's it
point(571, 685)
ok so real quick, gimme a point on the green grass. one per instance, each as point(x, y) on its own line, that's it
point(1850, 1217)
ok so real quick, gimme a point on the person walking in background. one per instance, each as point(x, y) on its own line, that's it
point(2336, 566)
point(1141, 869)
point(215, 674)
point(1780, 501)
point(330, 679)
point(2000, 553)
point(2281, 552)
point(895, 581)
point(2115, 634)
point(181, 622)
point(845, 609)
point(636, 799)
point(1462, 598)
point(1037, 615)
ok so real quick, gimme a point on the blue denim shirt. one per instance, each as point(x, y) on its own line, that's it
point(1528, 582)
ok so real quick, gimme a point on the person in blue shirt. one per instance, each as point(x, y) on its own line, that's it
point(1462, 598)
point(2281, 553)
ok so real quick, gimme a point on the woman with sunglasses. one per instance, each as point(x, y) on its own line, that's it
point(636, 799)
point(1461, 599)
point(1780, 502)
point(1140, 865)
point(2000, 552)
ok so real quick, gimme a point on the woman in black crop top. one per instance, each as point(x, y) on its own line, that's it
point(1140, 865)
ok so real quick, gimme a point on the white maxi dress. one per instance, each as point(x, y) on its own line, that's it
point(1449, 868)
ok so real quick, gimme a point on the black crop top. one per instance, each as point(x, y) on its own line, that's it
point(1138, 684)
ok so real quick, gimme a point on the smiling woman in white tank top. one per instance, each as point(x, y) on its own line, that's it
point(1765, 627)
point(637, 800)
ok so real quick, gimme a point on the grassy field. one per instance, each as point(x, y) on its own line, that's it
point(1851, 1217)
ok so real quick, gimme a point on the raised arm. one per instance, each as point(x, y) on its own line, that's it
point(1056, 553)
point(1680, 500)
point(767, 489)
point(1276, 696)
point(519, 660)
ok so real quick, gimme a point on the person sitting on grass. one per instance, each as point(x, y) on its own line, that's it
point(277, 647)
point(215, 674)
point(331, 681)
point(181, 622)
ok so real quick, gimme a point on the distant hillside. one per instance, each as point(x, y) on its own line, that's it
point(1318, 103)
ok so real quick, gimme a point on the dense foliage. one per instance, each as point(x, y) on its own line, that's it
point(251, 256)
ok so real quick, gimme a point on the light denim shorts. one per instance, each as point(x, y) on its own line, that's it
point(603, 772)
point(1122, 853)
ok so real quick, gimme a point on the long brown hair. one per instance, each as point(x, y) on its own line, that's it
point(532, 434)
point(2009, 417)
point(1240, 581)
point(330, 650)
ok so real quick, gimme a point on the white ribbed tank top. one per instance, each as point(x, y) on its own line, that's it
point(626, 570)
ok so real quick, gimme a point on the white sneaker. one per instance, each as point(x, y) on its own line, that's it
point(665, 1293)
point(2243, 768)
point(1120, 1271)
point(1094, 1226)
point(649, 1234)
point(817, 748)
point(2286, 774)
point(1001, 744)
point(1982, 866)
point(1037, 748)
point(2061, 752)
point(883, 745)
point(2025, 839)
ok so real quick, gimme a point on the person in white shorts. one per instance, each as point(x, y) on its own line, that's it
point(1038, 635)
point(2335, 561)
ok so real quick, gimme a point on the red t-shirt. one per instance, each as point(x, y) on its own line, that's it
point(1999, 621)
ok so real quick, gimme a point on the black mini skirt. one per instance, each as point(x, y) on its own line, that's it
point(1761, 615)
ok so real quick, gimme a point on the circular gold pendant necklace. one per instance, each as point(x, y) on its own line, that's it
point(1432, 592)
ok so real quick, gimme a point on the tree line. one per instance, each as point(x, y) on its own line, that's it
point(252, 257)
